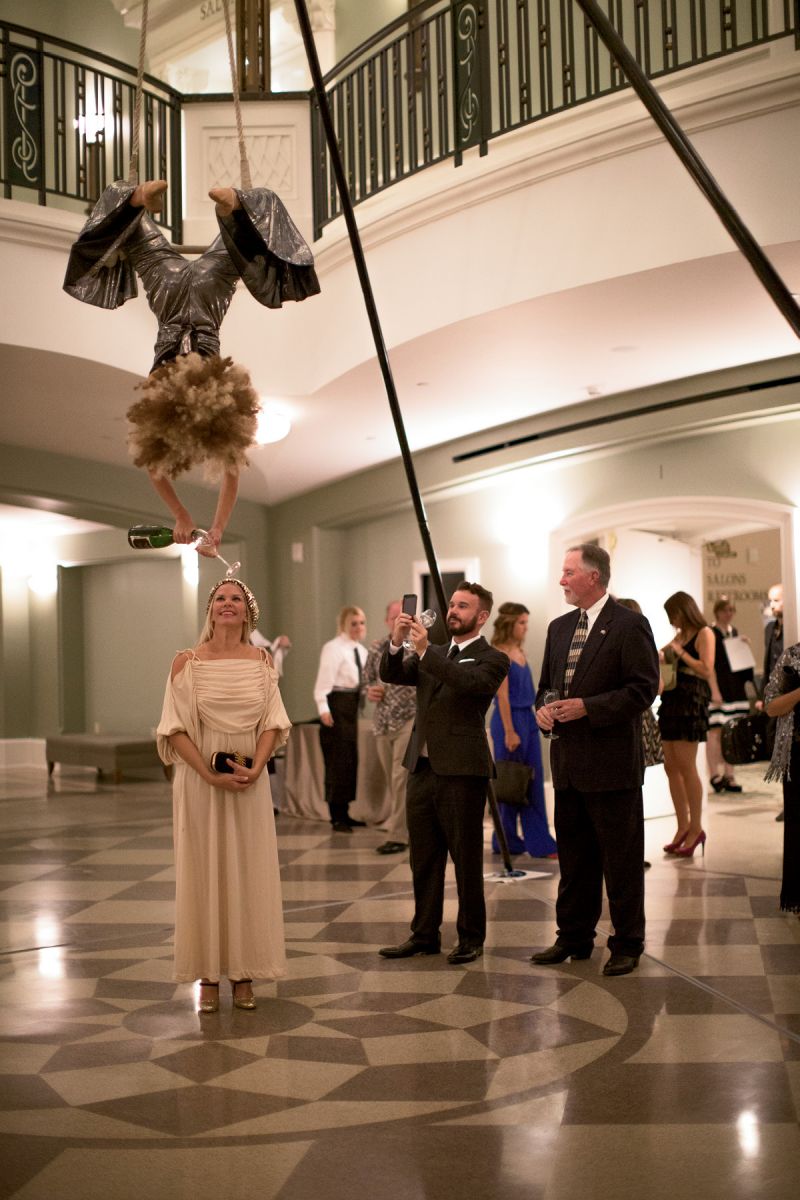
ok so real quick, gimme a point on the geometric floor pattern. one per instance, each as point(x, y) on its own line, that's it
point(360, 1077)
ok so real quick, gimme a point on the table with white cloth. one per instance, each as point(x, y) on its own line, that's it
point(304, 777)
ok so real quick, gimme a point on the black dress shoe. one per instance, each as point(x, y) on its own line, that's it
point(391, 848)
point(621, 964)
point(464, 953)
point(558, 954)
point(408, 950)
point(355, 824)
point(341, 827)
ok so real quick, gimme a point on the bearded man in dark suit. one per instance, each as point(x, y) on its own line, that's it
point(449, 764)
point(603, 662)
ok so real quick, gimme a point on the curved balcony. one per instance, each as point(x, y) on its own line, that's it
point(445, 79)
point(569, 262)
point(454, 74)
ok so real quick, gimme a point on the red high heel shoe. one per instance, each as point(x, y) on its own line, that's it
point(688, 850)
point(671, 847)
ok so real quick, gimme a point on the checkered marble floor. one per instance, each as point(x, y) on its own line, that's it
point(357, 1076)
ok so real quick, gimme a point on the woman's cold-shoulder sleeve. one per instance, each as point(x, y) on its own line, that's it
point(274, 716)
point(176, 715)
point(269, 252)
point(98, 272)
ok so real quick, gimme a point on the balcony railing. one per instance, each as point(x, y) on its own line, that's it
point(453, 74)
point(66, 120)
point(448, 76)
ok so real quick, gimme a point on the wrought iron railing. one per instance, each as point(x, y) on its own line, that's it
point(453, 74)
point(66, 121)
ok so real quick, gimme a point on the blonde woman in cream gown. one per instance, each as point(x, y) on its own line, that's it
point(223, 696)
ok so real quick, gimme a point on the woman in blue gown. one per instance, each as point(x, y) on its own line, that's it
point(515, 736)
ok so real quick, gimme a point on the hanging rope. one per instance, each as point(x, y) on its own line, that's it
point(133, 167)
point(244, 165)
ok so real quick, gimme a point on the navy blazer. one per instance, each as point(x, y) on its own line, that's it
point(617, 678)
point(453, 697)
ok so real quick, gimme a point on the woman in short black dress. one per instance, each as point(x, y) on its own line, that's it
point(683, 718)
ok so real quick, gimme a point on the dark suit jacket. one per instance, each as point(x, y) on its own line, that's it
point(617, 679)
point(452, 700)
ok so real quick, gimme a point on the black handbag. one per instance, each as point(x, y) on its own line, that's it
point(747, 739)
point(219, 761)
point(511, 784)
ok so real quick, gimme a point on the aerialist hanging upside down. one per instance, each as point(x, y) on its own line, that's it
point(196, 407)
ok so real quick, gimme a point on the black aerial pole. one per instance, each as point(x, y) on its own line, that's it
point(694, 164)
point(369, 301)
point(383, 358)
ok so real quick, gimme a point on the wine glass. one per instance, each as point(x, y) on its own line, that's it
point(550, 697)
point(203, 539)
point(426, 620)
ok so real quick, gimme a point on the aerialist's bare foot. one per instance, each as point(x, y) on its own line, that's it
point(225, 199)
point(150, 195)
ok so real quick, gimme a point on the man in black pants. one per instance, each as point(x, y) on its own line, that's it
point(604, 663)
point(449, 763)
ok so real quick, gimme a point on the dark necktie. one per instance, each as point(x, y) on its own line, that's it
point(361, 696)
point(453, 652)
point(576, 646)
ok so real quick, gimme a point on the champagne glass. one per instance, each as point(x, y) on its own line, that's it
point(426, 620)
point(202, 539)
point(550, 697)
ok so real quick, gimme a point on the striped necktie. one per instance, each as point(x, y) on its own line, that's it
point(576, 646)
point(454, 651)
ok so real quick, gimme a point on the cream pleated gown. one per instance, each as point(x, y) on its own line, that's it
point(228, 912)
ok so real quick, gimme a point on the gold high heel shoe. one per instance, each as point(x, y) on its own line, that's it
point(247, 1002)
point(209, 1003)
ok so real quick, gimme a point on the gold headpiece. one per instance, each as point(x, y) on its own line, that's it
point(252, 604)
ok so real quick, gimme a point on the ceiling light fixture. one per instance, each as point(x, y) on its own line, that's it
point(273, 424)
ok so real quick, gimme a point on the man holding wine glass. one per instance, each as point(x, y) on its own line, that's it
point(599, 674)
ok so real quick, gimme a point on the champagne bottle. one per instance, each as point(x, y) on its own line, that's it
point(154, 537)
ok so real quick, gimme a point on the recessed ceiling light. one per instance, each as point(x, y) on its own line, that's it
point(623, 349)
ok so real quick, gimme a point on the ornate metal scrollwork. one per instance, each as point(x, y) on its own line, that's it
point(24, 81)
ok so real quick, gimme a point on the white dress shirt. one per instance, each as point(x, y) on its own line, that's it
point(337, 669)
point(594, 612)
point(461, 645)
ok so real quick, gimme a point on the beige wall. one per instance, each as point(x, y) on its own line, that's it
point(746, 570)
point(360, 537)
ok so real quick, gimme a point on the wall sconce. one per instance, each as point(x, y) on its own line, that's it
point(43, 581)
point(190, 565)
point(91, 126)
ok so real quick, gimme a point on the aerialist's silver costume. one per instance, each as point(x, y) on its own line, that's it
point(196, 409)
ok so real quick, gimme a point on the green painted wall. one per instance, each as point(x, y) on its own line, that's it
point(50, 648)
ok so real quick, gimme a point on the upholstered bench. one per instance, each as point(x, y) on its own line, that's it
point(110, 753)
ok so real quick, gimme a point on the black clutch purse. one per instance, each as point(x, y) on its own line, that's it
point(511, 784)
point(219, 761)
